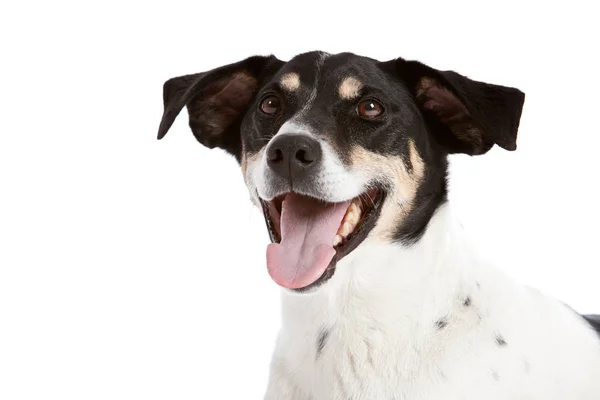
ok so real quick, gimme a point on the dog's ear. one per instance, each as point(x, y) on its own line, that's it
point(465, 115)
point(217, 100)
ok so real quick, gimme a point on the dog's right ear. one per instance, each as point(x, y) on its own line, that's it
point(217, 100)
point(465, 116)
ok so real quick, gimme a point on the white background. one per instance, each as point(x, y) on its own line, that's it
point(132, 268)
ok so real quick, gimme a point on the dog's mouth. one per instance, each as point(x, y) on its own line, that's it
point(309, 236)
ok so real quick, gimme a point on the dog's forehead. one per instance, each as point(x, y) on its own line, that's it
point(342, 73)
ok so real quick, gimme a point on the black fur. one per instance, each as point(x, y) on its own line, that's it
point(441, 323)
point(495, 376)
point(321, 340)
point(500, 341)
point(594, 321)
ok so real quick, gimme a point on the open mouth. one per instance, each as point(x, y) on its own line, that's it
point(309, 236)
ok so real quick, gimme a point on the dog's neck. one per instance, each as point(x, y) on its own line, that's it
point(385, 282)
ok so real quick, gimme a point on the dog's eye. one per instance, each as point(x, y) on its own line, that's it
point(270, 105)
point(369, 109)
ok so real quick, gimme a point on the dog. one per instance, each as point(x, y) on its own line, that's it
point(383, 297)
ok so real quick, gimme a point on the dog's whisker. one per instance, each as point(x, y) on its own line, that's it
point(366, 196)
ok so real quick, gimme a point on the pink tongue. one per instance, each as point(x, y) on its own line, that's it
point(308, 228)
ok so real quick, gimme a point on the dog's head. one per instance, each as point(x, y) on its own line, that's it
point(339, 149)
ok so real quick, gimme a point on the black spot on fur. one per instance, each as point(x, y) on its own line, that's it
point(323, 334)
point(594, 321)
point(467, 302)
point(500, 341)
point(441, 323)
point(526, 366)
point(478, 285)
point(495, 375)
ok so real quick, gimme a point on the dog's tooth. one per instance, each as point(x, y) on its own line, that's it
point(350, 221)
point(358, 209)
point(353, 214)
point(347, 217)
point(337, 240)
point(354, 219)
point(342, 230)
point(347, 229)
point(353, 208)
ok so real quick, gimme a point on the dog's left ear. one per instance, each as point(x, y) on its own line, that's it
point(465, 116)
point(217, 100)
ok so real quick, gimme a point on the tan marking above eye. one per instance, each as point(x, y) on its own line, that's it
point(290, 81)
point(349, 88)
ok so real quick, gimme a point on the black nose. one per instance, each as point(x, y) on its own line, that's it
point(294, 156)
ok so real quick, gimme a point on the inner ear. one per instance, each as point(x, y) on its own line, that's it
point(457, 129)
point(216, 108)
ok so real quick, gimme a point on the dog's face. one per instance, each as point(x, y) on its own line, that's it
point(339, 149)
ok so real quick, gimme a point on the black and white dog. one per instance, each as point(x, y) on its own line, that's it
point(383, 296)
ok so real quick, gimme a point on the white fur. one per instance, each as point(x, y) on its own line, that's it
point(334, 180)
point(381, 308)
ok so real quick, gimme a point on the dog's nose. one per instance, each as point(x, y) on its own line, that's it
point(294, 156)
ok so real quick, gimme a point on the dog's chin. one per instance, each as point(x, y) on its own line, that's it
point(360, 217)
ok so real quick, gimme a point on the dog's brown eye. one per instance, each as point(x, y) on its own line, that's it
point(270, 105)
point(369, 109)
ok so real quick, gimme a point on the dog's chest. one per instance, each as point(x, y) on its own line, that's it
point(364, 363)
point(372, 354)
point(368, 362)
point(371, 364)
point(452, 350)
